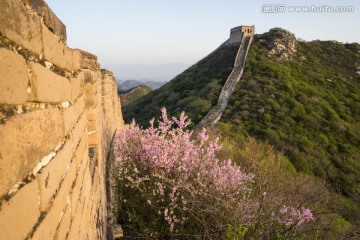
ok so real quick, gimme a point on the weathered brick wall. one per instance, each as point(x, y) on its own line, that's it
point(58, 115)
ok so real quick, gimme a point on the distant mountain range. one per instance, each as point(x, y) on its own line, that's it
point(128, 84)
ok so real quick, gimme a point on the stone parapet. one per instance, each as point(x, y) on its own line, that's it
point(50, 19)
point(58, 116)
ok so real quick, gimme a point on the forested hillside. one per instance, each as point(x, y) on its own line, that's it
point(131, 95)
point(193, 91)
point(306, 105)
point(303, 98)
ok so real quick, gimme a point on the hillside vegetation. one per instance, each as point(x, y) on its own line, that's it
point(174, 184)
point(194, 91)
point(307, 106)
point(131, 95)
point(301, 97)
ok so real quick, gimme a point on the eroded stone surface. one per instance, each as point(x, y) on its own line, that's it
point(56, 51)
point(14, 78)
point(20, 25)
point(47, 86)
point(50, 19)
point(25, 140)
point(20, 214)
point(66, 194)
point(50, 177)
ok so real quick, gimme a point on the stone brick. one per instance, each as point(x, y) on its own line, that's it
point(92, 114)
point(106, 72)
point(25, 140)
point(14, 78)
point(88, 60)
point(64, 224)
point(20, 214)
point(91, 126)
point(86, 224)
point(98, 75)
point(69, 178)
point(20, 25)
point(48, 226)
point(87, 181)
point(69, 118)
point(79, 129)
point(96, 199)
point(106, 94)
point(89, 77)
point(75, 224)
point(50, 19)
point(76, 192)
point(90, 89)
point(56, 51)
point(105, 87)
point(79, 107)
point(76, 86)
point(106, 82)
point(47, 86)
point(75, 195)
point(92, 234)
point(93, 139)
point(77, 59)
point(79, 152)
point(91, 101)
point(50, 177)
point(85, 218)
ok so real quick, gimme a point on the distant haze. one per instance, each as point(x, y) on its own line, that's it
point(142, 72)
point(129, 84)
point(158, 39)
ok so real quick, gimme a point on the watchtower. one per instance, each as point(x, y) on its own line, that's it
point(237, 33)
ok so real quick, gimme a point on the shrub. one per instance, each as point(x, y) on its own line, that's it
point(171, 185)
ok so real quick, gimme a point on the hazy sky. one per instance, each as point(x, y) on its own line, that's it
point(157, 39)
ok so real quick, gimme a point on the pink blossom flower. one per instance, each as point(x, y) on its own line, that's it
point(291, 216)
point(170, 169)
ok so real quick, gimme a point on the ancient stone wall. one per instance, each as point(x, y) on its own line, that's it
point(214, 115)
point(58, 114)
